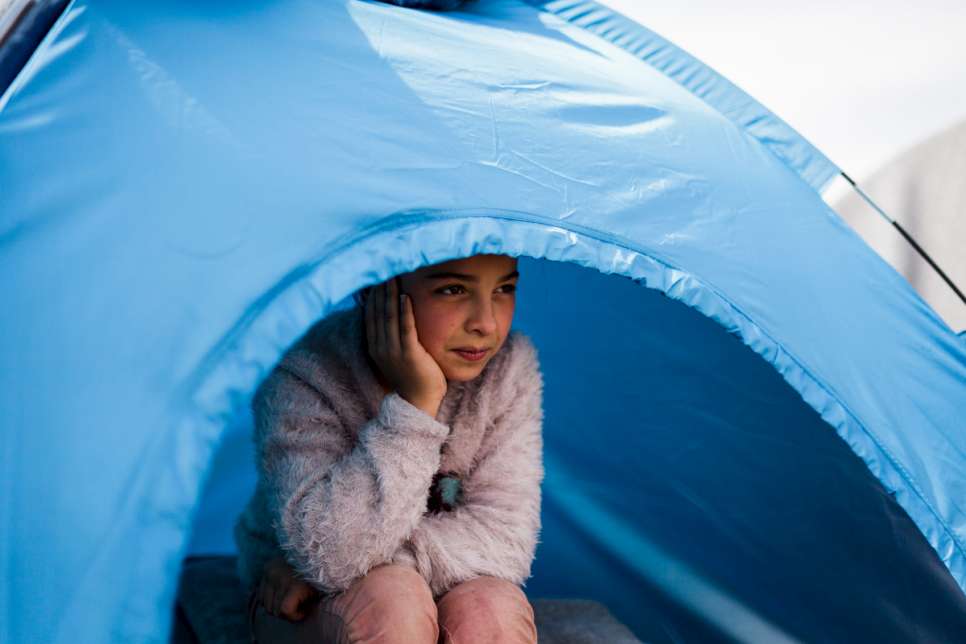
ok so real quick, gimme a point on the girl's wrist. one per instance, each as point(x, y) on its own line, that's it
point(428, 403)
point(430, 407)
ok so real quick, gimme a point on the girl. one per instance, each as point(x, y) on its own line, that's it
point(399, 451)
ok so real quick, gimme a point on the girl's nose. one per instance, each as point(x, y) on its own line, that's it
point(482, 319)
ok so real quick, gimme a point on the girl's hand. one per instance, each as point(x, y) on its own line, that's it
point(282, 593)
point(395, 348)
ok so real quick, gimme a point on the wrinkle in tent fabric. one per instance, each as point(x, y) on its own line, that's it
point(753, 425)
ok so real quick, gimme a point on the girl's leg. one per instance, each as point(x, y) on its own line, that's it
point(486, 610)
point(392, 604)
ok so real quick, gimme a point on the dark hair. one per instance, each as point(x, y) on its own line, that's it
point(360, 296)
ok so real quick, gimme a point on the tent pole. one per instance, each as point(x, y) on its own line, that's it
point(908, 237)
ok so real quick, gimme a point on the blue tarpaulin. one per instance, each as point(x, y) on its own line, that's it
point(755, 430)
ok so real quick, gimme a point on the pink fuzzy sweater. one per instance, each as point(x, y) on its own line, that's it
point(344, 472)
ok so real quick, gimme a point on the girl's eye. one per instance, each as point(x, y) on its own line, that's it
point(509, 288)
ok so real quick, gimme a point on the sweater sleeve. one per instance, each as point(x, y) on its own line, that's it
point(495, 530)
point(341, 506)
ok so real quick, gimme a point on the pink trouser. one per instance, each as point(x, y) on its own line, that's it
point(393, 603)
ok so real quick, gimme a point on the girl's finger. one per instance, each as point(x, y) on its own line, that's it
point(392, 317)
point(290, 605)
point(378, 315)
point(407, 330)
point(277, 598)
point(268, 599)
point(383, 319)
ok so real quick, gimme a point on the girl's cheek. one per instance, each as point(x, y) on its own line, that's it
point(434, 333)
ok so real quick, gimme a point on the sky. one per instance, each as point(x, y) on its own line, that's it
point(862, 81)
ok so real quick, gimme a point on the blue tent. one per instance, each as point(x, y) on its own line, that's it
point(754, 427)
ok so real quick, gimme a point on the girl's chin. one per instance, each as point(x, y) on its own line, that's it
point(463, 373)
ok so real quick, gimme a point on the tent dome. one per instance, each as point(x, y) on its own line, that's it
point(753, 425)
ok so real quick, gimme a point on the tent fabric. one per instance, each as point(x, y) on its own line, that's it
point(718, 92)
point(187, 187)
point(923, 190)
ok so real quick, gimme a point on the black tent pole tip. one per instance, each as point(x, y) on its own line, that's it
point(908, 238)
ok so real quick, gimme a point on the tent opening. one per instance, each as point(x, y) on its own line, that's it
point(689, 488)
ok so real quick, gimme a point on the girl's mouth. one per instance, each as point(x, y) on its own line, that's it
point(471, 356)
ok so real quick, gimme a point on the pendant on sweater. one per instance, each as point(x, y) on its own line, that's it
point(445, 493)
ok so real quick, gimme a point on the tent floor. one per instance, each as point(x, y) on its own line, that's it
point(211, 609)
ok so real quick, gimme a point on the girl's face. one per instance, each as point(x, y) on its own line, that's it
point(463, 304)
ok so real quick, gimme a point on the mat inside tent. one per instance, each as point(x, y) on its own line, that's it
point(754, 427)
